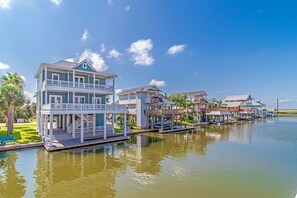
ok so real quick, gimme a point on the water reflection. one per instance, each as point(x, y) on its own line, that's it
point(12, 184)
point(95, 171)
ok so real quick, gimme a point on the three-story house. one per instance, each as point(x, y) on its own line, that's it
point(72, 99)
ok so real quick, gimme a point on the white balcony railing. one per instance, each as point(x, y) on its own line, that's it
point(78, 107)
point(62, 83)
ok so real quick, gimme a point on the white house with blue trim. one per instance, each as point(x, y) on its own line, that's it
point(71, 97)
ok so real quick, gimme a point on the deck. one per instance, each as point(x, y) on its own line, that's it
point(63, 140)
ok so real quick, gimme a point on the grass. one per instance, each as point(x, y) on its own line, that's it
point(286, 115)
point(23, 133)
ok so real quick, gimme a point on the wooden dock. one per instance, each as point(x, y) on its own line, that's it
point(75, 143)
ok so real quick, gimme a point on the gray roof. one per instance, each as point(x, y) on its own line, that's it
point(148, 88)
point(67, 65)
point(238, 98)
point(233, 104)
point(193, 93)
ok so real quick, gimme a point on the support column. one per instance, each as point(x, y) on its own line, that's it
point(104, 123)
point(94, 124)
point(73, 125)
point(125, 124)
point(113, 123)
point(63, 122)
point(82, 128)
point(67, 121)
point(46, 127)
point(41, 131)
point(45, 95)
point(51, 130)
point(162, 123)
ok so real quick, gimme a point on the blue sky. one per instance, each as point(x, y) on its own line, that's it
point(222, 47)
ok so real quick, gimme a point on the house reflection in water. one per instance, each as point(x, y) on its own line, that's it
point(94, 171)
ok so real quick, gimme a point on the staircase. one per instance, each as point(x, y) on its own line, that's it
point(88, 121)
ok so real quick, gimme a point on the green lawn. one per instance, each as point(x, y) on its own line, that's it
point(23, 133)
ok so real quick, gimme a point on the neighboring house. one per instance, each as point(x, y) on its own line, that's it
point(198, 97)
point(148, 104)
point(74, 95)
point(243, 106)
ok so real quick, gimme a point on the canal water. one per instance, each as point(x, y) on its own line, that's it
point(251, 160)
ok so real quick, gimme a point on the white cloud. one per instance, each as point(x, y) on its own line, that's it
point(114, 54)
point(56, 2)
point(109, 2)
point(176, 49)
point(85, 35)
point(30, 96)
point(4, 66)
point(70, 59)
point(140, 52)
point(95, 58)
point(103, 47)
point(158, 83)
point(5, 4)
point(127, 8)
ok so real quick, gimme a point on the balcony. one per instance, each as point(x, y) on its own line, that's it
point(70, 108)
point(61, 84)
point(158, 112)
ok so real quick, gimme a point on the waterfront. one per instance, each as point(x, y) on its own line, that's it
point(245, 160)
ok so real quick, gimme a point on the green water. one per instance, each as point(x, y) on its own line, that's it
point(247, 160)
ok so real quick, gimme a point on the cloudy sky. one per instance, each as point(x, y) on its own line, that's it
point(222, 47)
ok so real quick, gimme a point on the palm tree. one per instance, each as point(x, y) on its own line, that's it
point(11, 96)
point(188, 104)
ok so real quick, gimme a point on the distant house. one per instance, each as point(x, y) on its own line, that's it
point(149, 106)
point(198, 97)
point(243, 106)
point(71, 99)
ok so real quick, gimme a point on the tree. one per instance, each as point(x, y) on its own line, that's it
point(188, 104)
point(11, 97)
point(179, 100)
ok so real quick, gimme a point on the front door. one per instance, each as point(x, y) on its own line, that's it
point(79, 81)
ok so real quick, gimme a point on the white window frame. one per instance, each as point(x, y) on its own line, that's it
point(84, 66)
point(94, 101)
point(97, 80)
point(55, 74)
point(79, 77)
point(55, 96)
point(79, 97)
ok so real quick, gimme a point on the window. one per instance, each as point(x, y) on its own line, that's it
point(84, 65)
point(79, 99)
point(97, 81)
point(79, 79)
point(55, 77)
point(55, 99)
point(97, 100)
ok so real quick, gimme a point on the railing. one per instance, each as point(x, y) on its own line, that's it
point(163, 111)
point(62, 83)
point(71, 106)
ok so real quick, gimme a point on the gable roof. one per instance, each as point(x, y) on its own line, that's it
point(67, 65)
point(238, 98)
point(193, 93)
point(148, 88)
